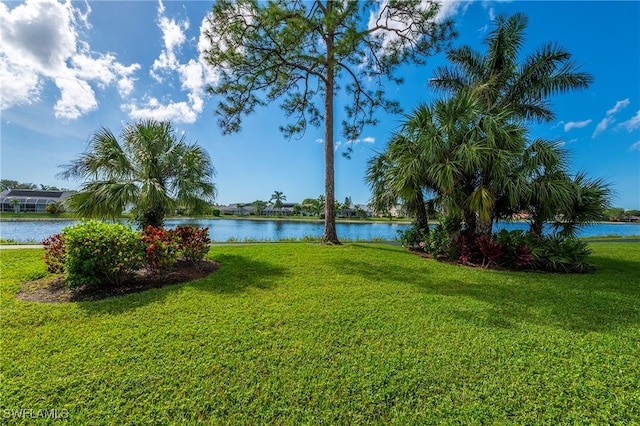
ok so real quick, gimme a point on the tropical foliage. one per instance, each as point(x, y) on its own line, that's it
point(96, 252)
point(161, 248)
point(277, 199)
point(502, 79)
point(470, 152)
point(149, 168)
point(193, 243)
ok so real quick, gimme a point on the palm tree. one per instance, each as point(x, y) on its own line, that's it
point(589, 198)
point(278, 197)
point(380, 171)
point(520, 88)
point(499, 79)
point(398, 173)
point(455, 149)
point(149, 168)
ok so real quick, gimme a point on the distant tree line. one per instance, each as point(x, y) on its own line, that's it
point(618, 214)
point(6, 184)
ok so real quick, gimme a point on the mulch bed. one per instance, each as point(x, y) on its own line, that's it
point(53, 289)
point(445, 259)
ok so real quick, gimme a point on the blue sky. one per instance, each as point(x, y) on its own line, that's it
point(66, 69)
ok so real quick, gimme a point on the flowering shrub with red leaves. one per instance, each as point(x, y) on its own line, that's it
point(161, 248)
point(54, 251)
point(523, 256)
point(467, 248)
point(490, 249)
point(193, 243)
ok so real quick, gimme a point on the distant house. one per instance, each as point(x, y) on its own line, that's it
point(289, 209)
point(30, 200)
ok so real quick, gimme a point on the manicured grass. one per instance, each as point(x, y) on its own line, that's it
point(354, 334)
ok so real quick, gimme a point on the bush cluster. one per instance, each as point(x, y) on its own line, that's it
point(510, 249)
point(95, 252)
point(98, 252)
point(161, 248)
point(54, 252)
point(193, 243)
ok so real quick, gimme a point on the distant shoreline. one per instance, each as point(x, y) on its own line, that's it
point(263, 218)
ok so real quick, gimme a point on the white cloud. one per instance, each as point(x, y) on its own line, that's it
point(450, 8)
point(41, 42)
point(381, 16)
point(564, 143)
point(609, 119)
point(635, 147)
point(194, 76)
point(619, 105)
point(350, 143)
point(76, 98)
point(602, 125)
point(576, 125)
point(154, 109)
point(173, 36)
point(631, 124)
point(560, 123)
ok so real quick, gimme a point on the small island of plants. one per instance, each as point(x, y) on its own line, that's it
point(96, 260)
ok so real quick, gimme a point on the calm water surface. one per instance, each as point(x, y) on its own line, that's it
point(222, 230)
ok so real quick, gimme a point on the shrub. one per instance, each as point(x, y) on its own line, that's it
point(467, 248)
point(160, 248)
point(561, 254)
point(216, 212)
point(516, 248)
point(437, 242)
point(194, 243)
point(54, 252)
point(100, 252)
point(491, 250)
point(412, 236)
point(523, 256)
point(54, 208)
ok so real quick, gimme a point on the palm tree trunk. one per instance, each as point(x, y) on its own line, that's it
point(422, 218)
point(330, 235)
point(535, 226)
point(470, 221)
point(484, 227)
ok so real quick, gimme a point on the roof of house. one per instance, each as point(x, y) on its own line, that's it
point(34, 194)
point(30, 193)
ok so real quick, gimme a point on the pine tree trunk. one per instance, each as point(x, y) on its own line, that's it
point(330, 235)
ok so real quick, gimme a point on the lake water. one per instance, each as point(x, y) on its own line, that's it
point(222, 230)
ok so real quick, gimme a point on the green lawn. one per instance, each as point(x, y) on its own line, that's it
point(354, 334)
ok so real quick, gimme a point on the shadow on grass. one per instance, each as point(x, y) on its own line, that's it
point(606, 301)
point(236, 275)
